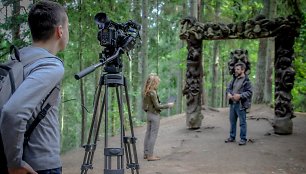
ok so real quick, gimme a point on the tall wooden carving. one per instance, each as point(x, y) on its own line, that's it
point(193, 85)
point(283, 29)
point(284, 76)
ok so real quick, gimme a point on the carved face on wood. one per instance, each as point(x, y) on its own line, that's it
point(287, 78)
point(284, 79)
point(239, 55)
point(282, 103)
point(283, 63)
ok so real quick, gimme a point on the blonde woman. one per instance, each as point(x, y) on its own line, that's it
point(152, 106)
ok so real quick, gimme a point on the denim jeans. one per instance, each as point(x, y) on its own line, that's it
point(236, 112)
point(51, 171)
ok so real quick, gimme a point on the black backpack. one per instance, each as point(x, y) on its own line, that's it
point(11, 76)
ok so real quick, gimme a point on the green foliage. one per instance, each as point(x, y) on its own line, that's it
point(299, 90)
point(6, 28)
point(167, 55)
point(241, 10)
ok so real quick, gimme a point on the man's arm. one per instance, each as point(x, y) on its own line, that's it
point(46, 73)
point(229, 90)
point(247, 93)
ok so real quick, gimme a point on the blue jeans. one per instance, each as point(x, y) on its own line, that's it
point(51, 171)
point(236, 112)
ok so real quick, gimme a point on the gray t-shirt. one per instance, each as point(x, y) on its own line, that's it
point(43, 149)
point(237, 84)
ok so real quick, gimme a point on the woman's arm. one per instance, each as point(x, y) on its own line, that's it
point(157, 105)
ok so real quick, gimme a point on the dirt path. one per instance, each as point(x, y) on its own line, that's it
point(204, 152)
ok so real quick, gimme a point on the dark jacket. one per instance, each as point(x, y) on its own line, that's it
point(152, 104)
point(245, 92)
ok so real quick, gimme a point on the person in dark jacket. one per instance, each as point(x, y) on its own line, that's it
point(239, 93)
point(152, 106)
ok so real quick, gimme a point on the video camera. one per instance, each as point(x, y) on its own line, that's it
point(117, 39)
point(112, 34)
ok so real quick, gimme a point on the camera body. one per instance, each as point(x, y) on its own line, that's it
point(117, 38)
point(115, 35)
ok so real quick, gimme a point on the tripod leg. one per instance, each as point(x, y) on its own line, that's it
point(122, 128)
point(91, 146)
point(114, 152)
point(120, 106)
point(132, 139)
point(106, 164)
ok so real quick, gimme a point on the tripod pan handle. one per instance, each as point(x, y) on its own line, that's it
point(87, 70)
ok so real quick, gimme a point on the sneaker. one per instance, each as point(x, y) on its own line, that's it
point(229, 140)
point(242, 142)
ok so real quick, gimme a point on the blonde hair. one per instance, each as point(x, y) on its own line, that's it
point(151, 83)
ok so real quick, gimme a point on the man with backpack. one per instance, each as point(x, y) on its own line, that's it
point(48, 22)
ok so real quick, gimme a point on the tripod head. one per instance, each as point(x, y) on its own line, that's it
point(112, 63)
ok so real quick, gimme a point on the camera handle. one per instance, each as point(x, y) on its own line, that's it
point(91, 68)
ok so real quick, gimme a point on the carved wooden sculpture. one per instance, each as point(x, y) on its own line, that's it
point(193, 89)
point(283, 29)
point(236, 56)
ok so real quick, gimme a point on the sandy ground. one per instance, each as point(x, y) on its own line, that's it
point(203, 151)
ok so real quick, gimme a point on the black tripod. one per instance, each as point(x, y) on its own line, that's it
point(127, 143)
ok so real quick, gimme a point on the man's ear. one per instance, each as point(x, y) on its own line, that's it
point(59, 31)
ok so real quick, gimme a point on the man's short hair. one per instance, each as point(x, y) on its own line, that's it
point(43, 17)
point(241, 64)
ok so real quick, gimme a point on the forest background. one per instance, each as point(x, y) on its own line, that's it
point(159, 51)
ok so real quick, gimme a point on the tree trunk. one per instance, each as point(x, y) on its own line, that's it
point(15, 23)
point(214, 80)
point(179, 84)
point(62, 116)
point(179, 81)
point(80, 56)
point(215, 62)
point(136, 60)
point(194, 8)
point(200, 18)
point(223, 96)
point(261, 64)
point(204, 8)
point(157, 35)
point(260, 67)
point(270, 58)
point(144, 48)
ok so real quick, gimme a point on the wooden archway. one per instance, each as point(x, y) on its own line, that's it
point(284, 29)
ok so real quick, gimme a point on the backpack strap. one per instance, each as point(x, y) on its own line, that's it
point(16, 53)
point(47, 104)
point(49, 100)
point(28, 60)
